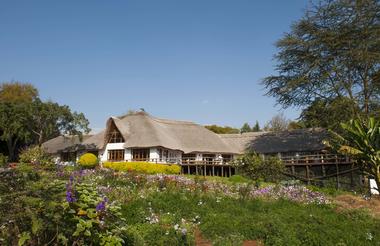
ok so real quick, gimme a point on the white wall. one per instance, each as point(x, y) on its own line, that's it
point(128, 155)
point(111, 146)
point(153, 154)
point(373, 187)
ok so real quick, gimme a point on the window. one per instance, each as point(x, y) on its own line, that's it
point(68, 156)
point(116, 155)
point(140, 154)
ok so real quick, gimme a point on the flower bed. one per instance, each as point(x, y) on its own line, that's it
point(143, 167)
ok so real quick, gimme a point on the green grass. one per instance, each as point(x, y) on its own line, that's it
point(230, 222)
point(221, 219)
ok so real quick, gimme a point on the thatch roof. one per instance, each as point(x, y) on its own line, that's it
point(300, 140)
point(140, 130)
point(240, 141)
point(62, 143)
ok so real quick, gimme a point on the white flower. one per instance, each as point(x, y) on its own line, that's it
point(176, 227)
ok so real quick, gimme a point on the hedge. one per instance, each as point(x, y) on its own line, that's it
point(143, 167)
point(88, 160)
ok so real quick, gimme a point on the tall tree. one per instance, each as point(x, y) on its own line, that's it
point(14, 122)
point(328, 113)
point(17, 92)
point(278, 123)
point(245, 128)
point(332, 52)
point(256, 127)
point(51, 119)
point(25, 119)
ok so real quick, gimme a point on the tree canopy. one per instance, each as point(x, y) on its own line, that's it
point(26, 120)
point(278, 123)
point(245, 128)
point(332, 53)
point(222, 129)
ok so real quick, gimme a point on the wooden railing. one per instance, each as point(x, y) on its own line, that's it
point(302, 160)
point(317, 159)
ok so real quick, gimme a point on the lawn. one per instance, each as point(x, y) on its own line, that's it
point(102, 207)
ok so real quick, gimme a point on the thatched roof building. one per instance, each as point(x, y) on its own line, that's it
point(142, 136)
point(141, 130)
point(300, 140)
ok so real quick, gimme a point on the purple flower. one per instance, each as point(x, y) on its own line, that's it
point(70, 197)
point(102, 205)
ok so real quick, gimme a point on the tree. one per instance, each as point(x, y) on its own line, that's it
point(245, 128)
point(328, 113)
point(270, 169)
point(332, 52)
point(293, 125)
point(17, 92)
point(222, 129)
point(26, 120)
point(278, 123)
point(361, 141)
point(256, 127)
point(14, 121)
point(51, 119)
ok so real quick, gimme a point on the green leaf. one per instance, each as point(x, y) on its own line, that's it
point(24, 237)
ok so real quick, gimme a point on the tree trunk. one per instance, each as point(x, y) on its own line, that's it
point(40, 139)
point(11, 144)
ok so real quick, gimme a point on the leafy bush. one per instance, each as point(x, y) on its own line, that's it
point(88, 160)
point(143, 167)
point(238, 179)
point(269, 169)
point(3, 160)
point(37, 156)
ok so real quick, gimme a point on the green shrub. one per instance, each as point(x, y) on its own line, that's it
point(143, 167)
point(3, 160)
point(88, 160)
point(254, 166)
point(238, 179)
point(36, 155)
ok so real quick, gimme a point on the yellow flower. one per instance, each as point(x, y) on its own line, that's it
point(82, 212)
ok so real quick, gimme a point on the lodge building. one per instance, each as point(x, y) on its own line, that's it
point(142, 137)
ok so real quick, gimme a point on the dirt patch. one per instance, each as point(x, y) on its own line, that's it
point(199, 240)
point(355, 202)
point(252, 243)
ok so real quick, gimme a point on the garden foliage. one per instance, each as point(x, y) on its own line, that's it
point(143, 167)
point(36, 155)
point(88, 160)
point(256, 167)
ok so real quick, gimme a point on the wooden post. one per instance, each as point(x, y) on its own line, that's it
point(213, 170)
point(188, 169)
point(324, 175)
point(293, 170)
point(229, 170)
point(307, 174)
point(196, 169)
point(337, 176)
point(222, 172)
point(205, 167)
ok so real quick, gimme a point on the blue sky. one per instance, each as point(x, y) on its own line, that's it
point(198, 60)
